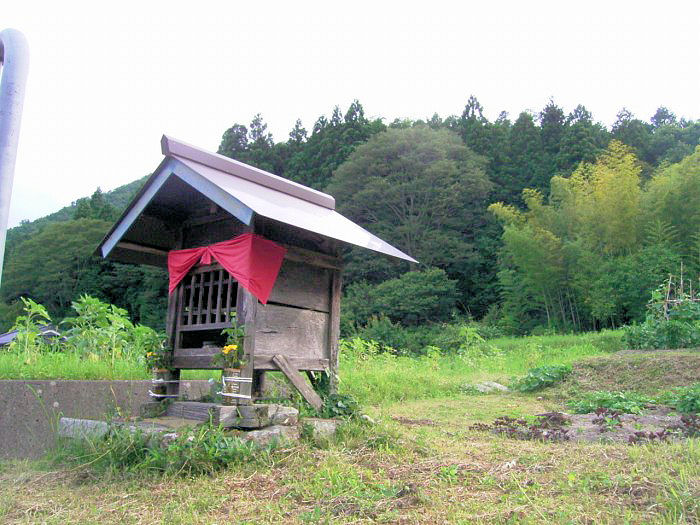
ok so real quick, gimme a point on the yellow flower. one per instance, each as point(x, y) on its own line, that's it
point(149, 354)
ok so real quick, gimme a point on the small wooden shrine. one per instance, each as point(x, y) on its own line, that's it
point(196, 199)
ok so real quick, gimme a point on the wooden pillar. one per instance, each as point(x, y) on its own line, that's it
point(172, 389)
point(334, 328)
point(259, 381)
point(246, 306)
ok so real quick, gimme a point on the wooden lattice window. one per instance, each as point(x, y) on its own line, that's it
point(206, 301)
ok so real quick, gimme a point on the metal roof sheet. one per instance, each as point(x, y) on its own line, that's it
point(289, 209)
point(241, 189)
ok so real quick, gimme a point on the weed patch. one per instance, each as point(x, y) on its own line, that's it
point(194, 451)
point(623, 402)
point(541, 377)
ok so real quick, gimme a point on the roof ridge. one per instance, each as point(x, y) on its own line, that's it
point(176, 148)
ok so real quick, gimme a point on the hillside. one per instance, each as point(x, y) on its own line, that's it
point(117, 198)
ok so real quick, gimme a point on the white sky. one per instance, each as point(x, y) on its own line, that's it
point(107, 79)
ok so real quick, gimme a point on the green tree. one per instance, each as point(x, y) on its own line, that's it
point(330, 144)
point(420, 189)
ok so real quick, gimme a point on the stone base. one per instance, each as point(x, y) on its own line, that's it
point(241, 416)
point(260, 423)
point(272, 433)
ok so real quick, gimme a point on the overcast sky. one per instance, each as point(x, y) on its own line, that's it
point(106, 80)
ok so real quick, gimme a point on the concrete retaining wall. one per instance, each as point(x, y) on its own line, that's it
point(29, 410)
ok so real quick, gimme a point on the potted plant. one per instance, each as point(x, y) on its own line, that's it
point(159, 360)
point(231, 360)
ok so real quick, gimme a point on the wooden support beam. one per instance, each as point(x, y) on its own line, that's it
point(294, 253)
point(298, 381)
point(140, 248)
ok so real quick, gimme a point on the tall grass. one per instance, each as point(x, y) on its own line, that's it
point(372, 377)
point(57, 365)
point(375, 378)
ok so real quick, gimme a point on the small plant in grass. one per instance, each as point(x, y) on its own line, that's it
point(541, 377)
point(339, 406)
point(608, 420)
point(626, 402)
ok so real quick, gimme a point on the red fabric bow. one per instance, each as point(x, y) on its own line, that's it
point(250, 259)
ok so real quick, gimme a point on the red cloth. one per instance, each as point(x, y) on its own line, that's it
point(250, 259)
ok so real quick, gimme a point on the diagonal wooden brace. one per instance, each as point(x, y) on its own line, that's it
point(298, 381)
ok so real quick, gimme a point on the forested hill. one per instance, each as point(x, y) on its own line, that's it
point(543, 256)
point(116, 200)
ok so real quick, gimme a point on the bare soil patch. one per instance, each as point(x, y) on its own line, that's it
point(590, 428)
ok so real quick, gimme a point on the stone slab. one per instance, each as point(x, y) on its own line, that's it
point(268, 435)
point(321, 428)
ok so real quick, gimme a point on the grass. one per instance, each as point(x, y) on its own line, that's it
point(386, 378)
point(73, 366)
point(646, 372)
point(421, 462)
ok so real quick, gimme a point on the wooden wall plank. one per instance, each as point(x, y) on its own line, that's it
point(291, 331)
point(302, 285)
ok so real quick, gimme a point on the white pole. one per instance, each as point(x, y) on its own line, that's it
point(14, 64)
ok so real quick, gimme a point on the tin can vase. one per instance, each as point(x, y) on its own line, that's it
point(231, 386)
point(160, 387)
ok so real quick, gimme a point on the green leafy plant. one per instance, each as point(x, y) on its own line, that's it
point(231, 354)
point(339, 406)
point(29, 340)
point(626, 402)
point(541, 377)
point(672, 320)
point(104, 330)
point(686, 399)
point(157, 356)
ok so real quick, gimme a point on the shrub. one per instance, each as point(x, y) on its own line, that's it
point(541, 377)
point(627, 402)
point(390, 336)
point(413, 298)
point(669, 323)
point(654, 333)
